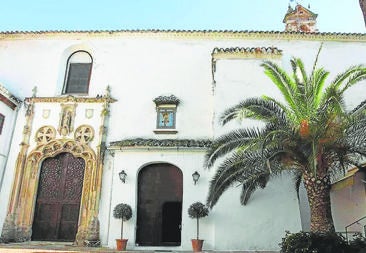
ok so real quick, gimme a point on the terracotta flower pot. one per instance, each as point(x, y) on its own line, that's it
point(197, 245)
point(121, 244)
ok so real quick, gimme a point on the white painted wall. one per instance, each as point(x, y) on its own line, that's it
point(6, 136)
point(140, 68)
point(10, 165)
point(262, 222)
point(349, 205)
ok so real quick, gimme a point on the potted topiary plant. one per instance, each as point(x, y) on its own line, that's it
point(197, 211)
point(123, 212)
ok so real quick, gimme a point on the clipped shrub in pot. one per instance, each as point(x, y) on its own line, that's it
point(123, 212)
point(197, 211)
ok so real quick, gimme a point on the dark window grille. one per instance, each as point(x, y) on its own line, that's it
point(78, 78)
point(78, 72)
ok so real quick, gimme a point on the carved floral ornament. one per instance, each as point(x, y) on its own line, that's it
point(45, 134)
point(84, 134)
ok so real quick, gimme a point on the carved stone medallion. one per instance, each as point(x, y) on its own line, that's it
point(45, 134)
point(84, 134)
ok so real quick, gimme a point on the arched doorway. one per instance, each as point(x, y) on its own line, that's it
point(159, 210)
point(59, 194)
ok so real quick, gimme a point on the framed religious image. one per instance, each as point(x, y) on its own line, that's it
point(166, 118)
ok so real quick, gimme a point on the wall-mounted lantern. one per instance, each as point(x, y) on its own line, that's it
point(122, 176)
point(195, 177)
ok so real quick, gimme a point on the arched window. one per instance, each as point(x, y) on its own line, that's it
point(78, 72)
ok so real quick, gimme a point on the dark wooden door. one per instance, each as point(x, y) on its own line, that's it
point(58, 199)
point(159, 210)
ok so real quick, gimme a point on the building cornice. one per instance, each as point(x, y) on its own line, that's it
point(139, 143)
point(70, 99)
point(246, 52)
point(185, 34)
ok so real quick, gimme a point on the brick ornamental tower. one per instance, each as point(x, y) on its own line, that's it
point(300, 19)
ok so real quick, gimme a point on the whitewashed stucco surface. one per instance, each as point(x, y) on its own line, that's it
point(141, 68)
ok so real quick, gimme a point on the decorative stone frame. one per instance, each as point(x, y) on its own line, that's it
point(45, 134)
point(166, 106)
point(20, 214)
point(88, 229)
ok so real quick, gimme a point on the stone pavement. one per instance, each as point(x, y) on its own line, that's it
point(43, 247)
point(60, 247)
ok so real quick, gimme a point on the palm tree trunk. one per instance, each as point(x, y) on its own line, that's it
point(363, 8)
point(318, 190)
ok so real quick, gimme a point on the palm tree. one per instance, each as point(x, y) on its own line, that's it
point(310, 134)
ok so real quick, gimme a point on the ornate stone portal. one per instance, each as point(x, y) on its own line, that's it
point(18, 223)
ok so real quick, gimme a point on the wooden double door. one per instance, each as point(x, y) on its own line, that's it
point(159, 211)
point(59, 193)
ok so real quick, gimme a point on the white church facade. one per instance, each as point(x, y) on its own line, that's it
point(80, 108)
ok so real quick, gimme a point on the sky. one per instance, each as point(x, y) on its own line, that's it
point(253, 15)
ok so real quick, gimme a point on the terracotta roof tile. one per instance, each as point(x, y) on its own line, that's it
point(166, 100)
point(166, 31)
point(140, 142)
point(264, 50)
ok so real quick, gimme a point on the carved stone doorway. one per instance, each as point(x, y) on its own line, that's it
point(159, 210)
point(56, 215)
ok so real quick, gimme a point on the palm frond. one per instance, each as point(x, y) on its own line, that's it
point(230, 171)
point(356, 77)
point(249, 168)
point(253, 108)
point(240, 138)
point(283, 82)
point(257, 180)
point(318, 82)
point(297, 180)
point(316, 59)
point(299, 75)
point(287, 112)
point(340, 78)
